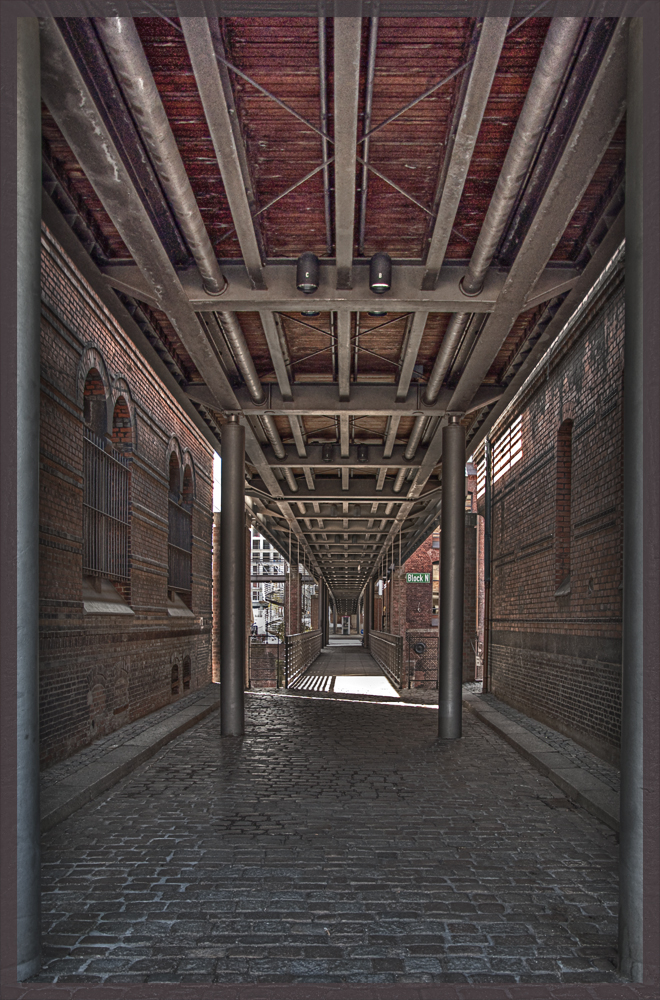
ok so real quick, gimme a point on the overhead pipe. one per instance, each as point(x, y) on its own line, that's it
point(553, 62)
point(450, 341)
point(273, 435)
point(231, 328)
point(400, 478)
point(290, 479)
point(124, 48)
point(415, 437)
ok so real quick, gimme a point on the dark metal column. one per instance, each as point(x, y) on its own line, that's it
point(334, 618)
point(368, 611)
point(232, 579)
point(452, 559)
point(217, 603)
point(631, 855)
point(488, 534)
point(28, 952)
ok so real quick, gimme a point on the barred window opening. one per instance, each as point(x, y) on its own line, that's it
point(179, 577)
point(106, 510)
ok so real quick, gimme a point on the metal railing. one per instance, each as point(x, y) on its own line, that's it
point(387, 651)
point(106, 510)
point(300, 651)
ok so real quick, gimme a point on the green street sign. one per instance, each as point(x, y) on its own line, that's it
point(418, 577)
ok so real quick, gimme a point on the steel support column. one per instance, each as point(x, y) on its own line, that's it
point(631, 857)
point(28, 950)
point(216, 602)
point(450, 646)
point(232, 576)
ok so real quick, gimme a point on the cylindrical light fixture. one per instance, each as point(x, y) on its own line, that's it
point(380, 273)
point(307, 273)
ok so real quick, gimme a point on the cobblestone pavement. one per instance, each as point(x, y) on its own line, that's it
point(336, 841)
point(105, 744)
point(582, 758)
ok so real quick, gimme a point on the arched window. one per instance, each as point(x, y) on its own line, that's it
point(179, 577)
point(106, 486)
point(563, 510)
point(174, 680)
point(122, 428)
point(186, 674)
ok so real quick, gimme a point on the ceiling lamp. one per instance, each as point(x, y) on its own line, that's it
point(380, 273)
point(326, 453)
point(307, 273)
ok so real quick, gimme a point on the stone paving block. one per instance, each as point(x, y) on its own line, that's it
point(398, 859)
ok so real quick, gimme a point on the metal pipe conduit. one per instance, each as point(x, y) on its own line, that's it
point(448, 347)
point(553, 62)
point(291, 480)
point(398, 482)
point(231, 328)
point(124, 48)
point(415, 437)
point(273, 435)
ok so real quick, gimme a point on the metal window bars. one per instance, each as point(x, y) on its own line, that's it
point(106, 510)
point(179, 547)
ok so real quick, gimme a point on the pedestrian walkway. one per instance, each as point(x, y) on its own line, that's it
point(346, 667)
point(337, 841)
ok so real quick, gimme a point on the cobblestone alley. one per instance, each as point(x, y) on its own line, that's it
point(336, 841)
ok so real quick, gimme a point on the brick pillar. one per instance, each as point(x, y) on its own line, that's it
point(378, 613)
point(292, 602)
point(398, 602)
point(215, 634)
point(315, 611)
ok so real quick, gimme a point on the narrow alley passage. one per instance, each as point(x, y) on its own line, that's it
point(344, 666)
point(336, 841)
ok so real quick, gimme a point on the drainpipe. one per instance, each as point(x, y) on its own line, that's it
point(26, 553)
point(124, 48)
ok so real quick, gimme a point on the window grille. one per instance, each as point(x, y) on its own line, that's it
point(106, 510)
point(507, 450)
point(481, 476)
point(179, 549)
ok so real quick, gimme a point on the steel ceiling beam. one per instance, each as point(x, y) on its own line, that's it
point(347, 39)
point(313, 457)
point(592, 133)
point(226, 137)
point(489, 47)
point(272, 334)
point(344, 354)
point(405, 295)
point(413, 340)
point(593, 270)
point(71, 105)
point(367, 400)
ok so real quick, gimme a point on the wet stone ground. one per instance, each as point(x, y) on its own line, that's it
point(336, 841)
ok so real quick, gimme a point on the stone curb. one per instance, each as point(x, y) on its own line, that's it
point(580, 786)
point(67, 796)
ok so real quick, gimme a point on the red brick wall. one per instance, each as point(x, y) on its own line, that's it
point(293, 602)
point(97, 672)
point(558, 658)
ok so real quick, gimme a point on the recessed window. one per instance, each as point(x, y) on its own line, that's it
point(563, 510)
